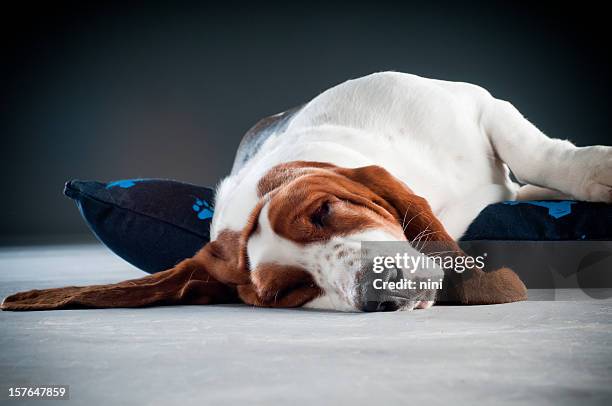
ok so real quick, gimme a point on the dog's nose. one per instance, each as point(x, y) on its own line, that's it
point(375, 300)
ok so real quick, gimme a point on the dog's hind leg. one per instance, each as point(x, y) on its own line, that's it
point(582, 173)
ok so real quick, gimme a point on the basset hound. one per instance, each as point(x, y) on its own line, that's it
point(385, 157)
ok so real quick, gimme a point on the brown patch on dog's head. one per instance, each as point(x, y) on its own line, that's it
point(301, 191)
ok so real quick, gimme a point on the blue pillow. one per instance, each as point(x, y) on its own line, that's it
point(546, 220)
point(544, 243)
point(151, 223)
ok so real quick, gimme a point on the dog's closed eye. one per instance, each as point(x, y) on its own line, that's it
point(320, 216)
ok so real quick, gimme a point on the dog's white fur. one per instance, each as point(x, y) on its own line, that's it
point(451, 143)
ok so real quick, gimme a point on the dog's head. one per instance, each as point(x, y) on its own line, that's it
point(310, 223)
point(301, 246)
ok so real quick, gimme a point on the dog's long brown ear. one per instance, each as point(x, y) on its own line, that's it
point(473, 286)
point(189, 282)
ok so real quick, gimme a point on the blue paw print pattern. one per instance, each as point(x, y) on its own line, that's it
point(124, 184)
point(203, 209)
point(556, 209)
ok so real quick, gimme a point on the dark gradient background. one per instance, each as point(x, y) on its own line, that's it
point(103, 91)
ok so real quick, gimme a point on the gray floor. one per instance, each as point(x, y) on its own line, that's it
point(537, 352)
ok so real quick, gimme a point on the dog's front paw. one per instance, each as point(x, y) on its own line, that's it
point(594, 166)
